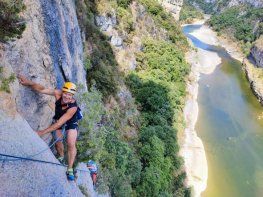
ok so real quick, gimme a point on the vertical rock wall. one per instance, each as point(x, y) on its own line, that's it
point(257, 52)
point(52, 38)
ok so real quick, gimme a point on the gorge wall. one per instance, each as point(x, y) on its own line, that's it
point(257, 52)
point(51, 39)
point(253, 69)
point(111, 38)
point(254, 3)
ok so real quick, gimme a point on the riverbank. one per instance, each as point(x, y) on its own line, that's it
point(192, 149)
point(252, 71)
point(202, 61)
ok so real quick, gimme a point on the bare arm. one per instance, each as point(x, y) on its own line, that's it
point(69, 114)
point(39, 88)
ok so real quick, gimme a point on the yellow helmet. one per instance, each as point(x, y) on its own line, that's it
point(69, 87)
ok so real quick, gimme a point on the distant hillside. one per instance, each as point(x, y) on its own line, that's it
point(189, 13)
point(215, 6)
point(240, 21)
point(244, 23)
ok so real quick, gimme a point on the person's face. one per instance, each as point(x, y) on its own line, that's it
point(67, 97)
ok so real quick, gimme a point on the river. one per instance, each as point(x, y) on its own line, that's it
point(230, 125)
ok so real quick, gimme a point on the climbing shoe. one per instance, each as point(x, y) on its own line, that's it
point(61, 160)
point(70, 174)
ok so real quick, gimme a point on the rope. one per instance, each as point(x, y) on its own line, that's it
point(17, 158)
point(31, 156)
point(28, 159)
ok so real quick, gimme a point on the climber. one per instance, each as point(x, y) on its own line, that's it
point(65, 115)
point(93, 168)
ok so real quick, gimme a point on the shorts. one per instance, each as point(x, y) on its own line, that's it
point(93, 175)
point(73, 125)
point(64, 129)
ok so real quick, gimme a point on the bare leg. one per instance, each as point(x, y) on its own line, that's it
point(72, 151)
point(59, 145)
point(94, 177)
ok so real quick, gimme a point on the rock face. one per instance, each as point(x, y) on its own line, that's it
point(144, 25)
point(50, 41)
point(107, 23)
point(253, 70)
point(257, 52)
point(26, 178)
point(173, 6)
point(254, 3)
point(254, 79)
point(52, 38)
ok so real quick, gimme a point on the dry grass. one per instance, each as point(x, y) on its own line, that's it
point(259, 43)
point(105, 6)
point(255, 74)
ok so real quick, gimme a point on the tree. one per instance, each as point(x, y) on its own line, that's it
point(12, 25)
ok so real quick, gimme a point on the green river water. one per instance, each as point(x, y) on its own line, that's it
point(231, 128)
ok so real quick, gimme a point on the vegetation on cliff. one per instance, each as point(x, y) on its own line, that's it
point(11, 23)
point(158, 84)
point(137, 154)
point(5, 81)
point(244, 23)
point(100, 63)
point(166, 21)
point(242, 20)
point(211, 7)
point(189, 13)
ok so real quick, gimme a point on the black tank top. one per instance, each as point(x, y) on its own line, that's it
point(60, 112)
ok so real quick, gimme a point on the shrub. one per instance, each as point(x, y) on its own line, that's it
point(124, 3)
point(166, 21)
point(12, 25)
point(188, 13)
point(5, 81)
point(241, 22)
point(158, 85)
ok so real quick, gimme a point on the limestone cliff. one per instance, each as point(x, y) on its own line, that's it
point(257, 52)
point(51, 39)
point(144, 25)
point(253, 69)
point(173, 6)
point(254, 77)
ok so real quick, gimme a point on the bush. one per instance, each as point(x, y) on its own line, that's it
point(5, 81)
point(166, 21)
point(188, 13)
point(12, 25)
point(124, 3)
point(102, 69)
point(125, 20)
point(158, 85)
